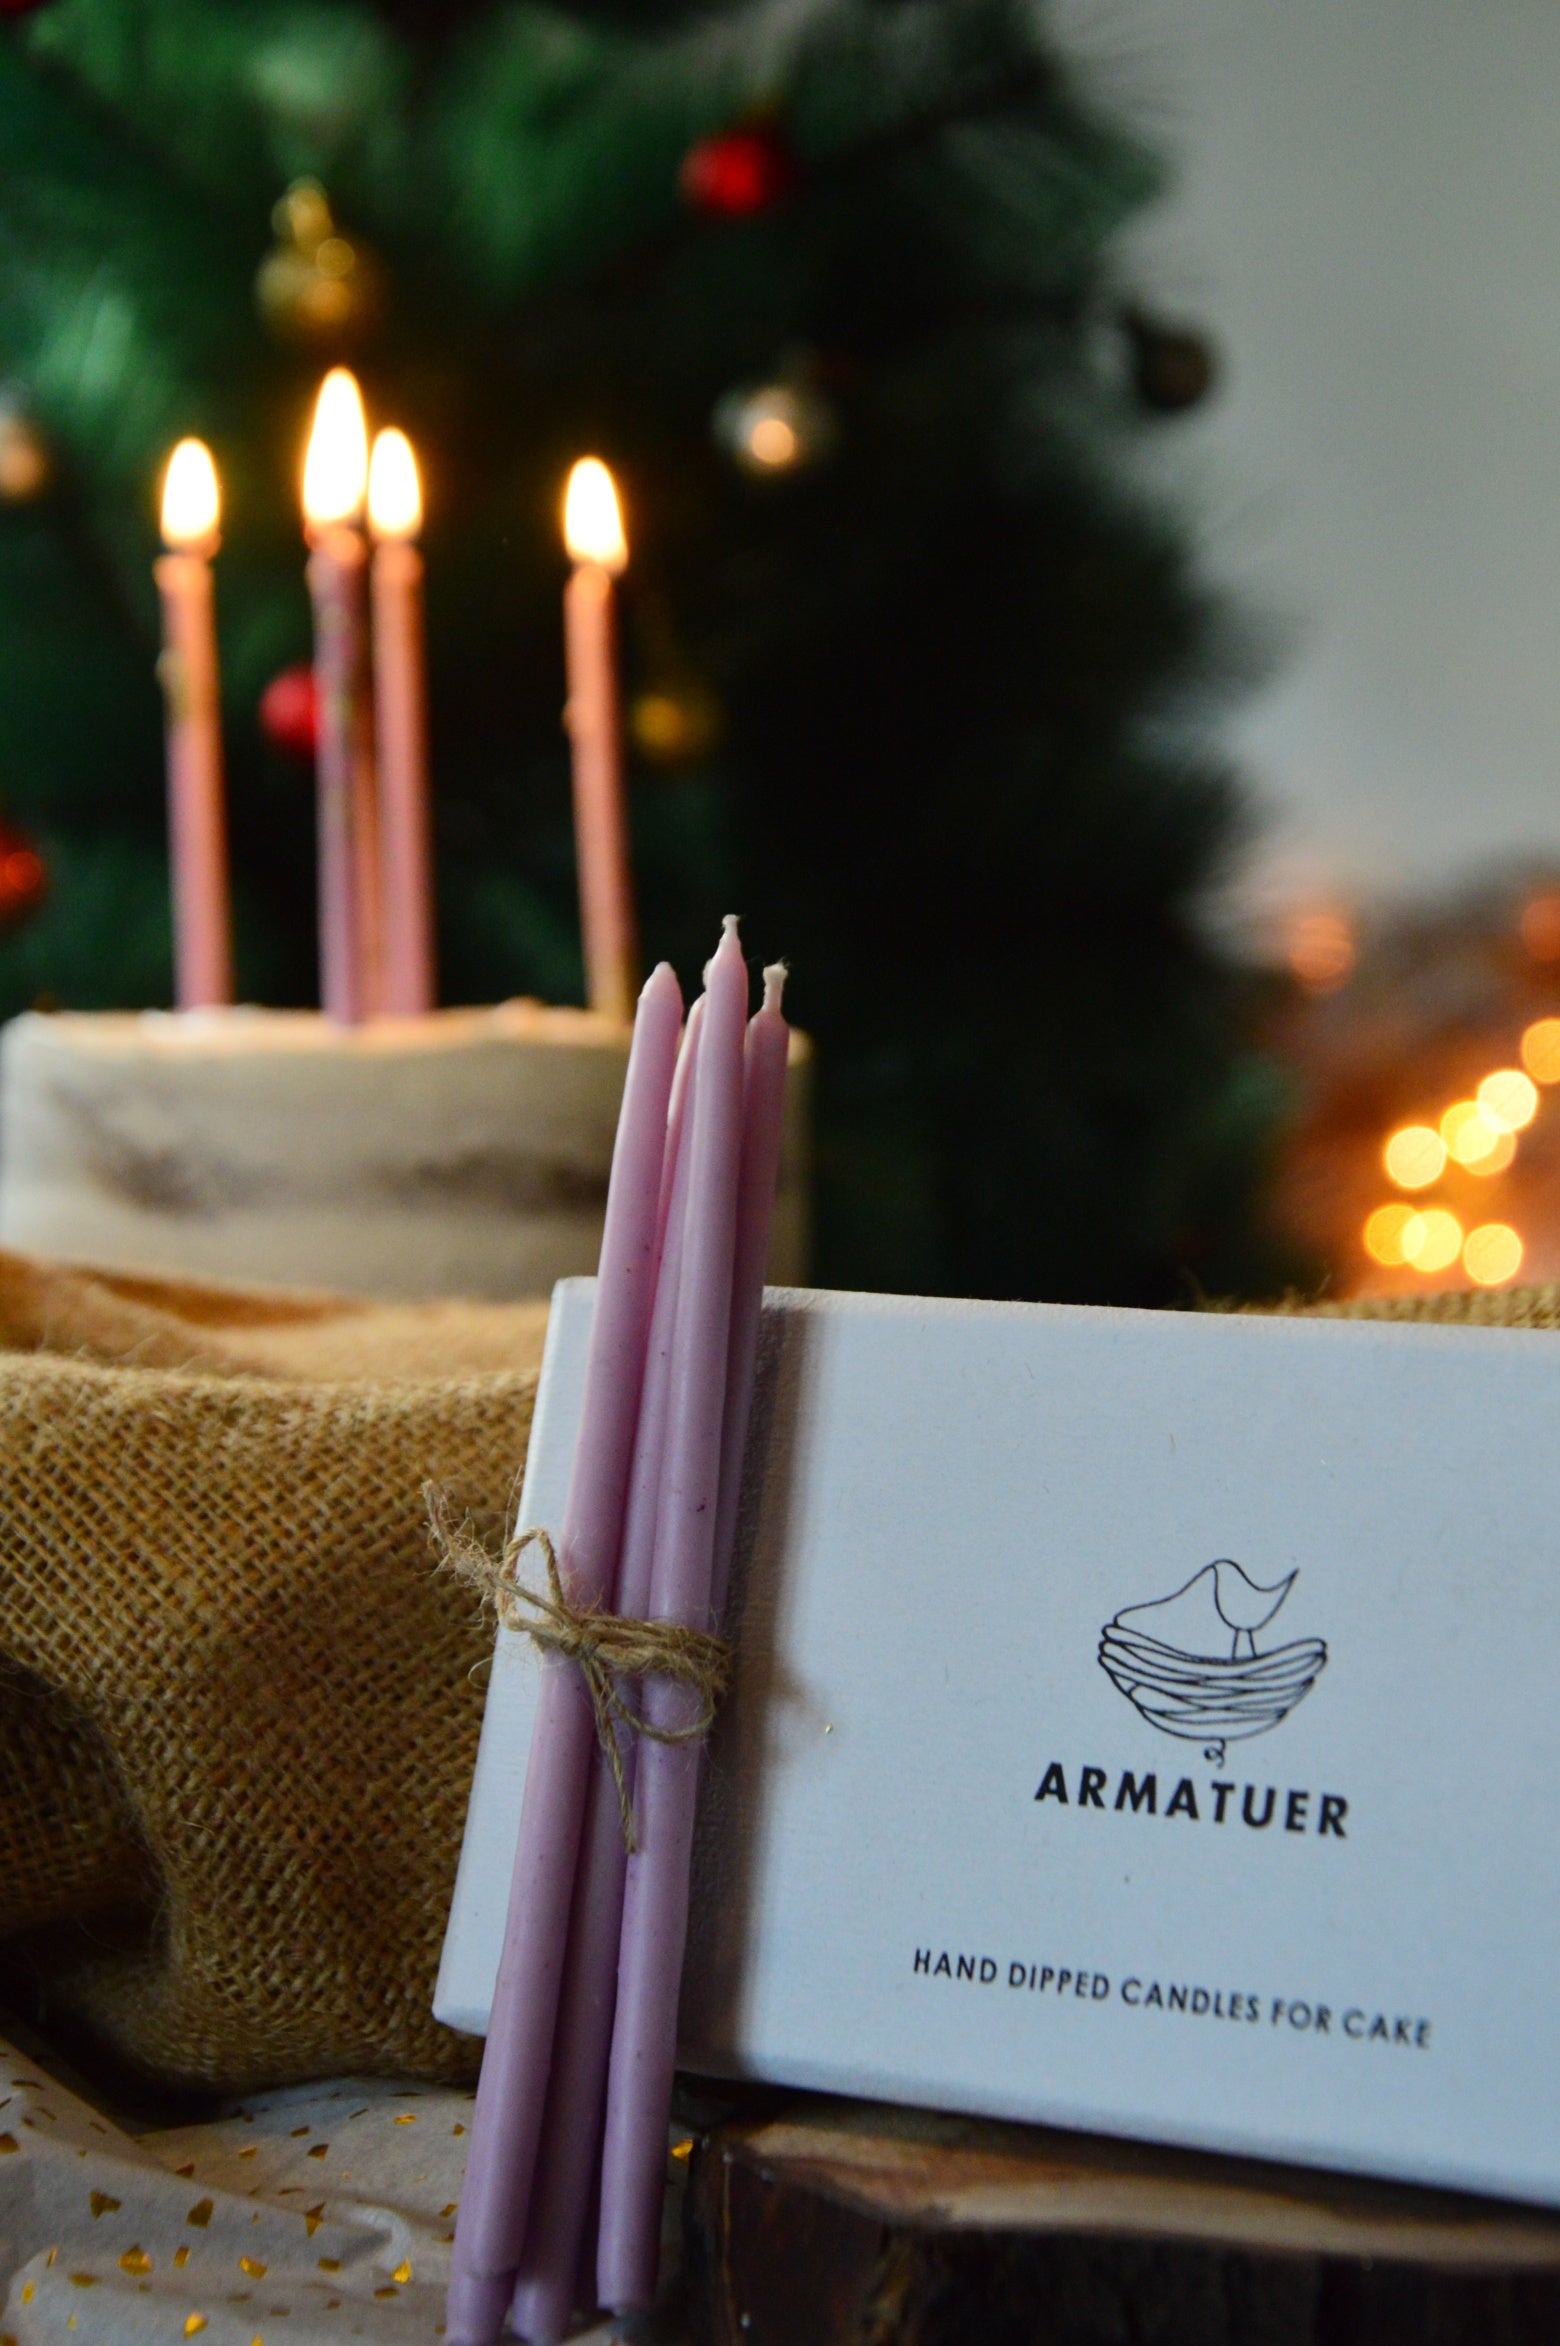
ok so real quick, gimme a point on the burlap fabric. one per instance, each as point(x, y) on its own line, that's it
point(240, 1706)
point(239, 1713)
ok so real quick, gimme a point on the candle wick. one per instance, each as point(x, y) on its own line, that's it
point(775, 975)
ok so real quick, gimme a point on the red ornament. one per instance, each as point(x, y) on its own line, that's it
point(289, 715)
point(738, 172)
point(24, 878)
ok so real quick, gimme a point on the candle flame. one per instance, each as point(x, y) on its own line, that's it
point(335, 470)
point(592, 518)
point(191, 501)
point(394, 491)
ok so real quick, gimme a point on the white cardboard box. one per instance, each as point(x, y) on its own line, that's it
point(962, 1838)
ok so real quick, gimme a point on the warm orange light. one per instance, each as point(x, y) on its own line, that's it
point(335, 470)
point(394, 491)
point(1541, 926)
point(1508, 1099)
point(1496, 1159)
point(592, 517)
point(1492, 1254)
point(1321, 950)
point(773, 443)
point(1468, 1133)
point(1415, 1156)
point(191, 500)
point(1541, 1050)
point(1384, 1231)
point(1435, 1242)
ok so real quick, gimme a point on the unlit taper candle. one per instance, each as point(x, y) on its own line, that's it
point(655, 1904)
point(593, 533)
point(401, 729)
point(197, 815)
point(511, 2091)
point(334, 480)
point(571, 2139)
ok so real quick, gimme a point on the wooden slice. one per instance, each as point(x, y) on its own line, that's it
point(829, 2223)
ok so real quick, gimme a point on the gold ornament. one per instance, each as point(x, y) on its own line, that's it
point(316, 285)
point(26, 467)
point(677, 723)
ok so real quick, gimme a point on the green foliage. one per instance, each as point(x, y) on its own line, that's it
point(969, 681)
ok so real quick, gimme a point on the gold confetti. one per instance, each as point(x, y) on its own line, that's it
point(8, 2142)
point(250, 2152)
point(257, 2340)
point(201, 2213)
point(385, 2292)
point(457, 2130)
point(403, 2271)
point(446, 2213)
point(135, 2260)
point(683, 2149)
point(192, 2323)
point(83, 2280)
point(253, 2267)
point(181, 2257)
point(321, 2150)
point(444, 2238)
point(407, 2118)
point(297, 2130)
point(53, 2253)
point(71, 2324)
point(187, 2169)
point(103, 2205)
point(314, 2217)
point(29, 2290)
point(330, 2264)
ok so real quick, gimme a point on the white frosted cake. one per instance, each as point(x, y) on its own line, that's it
point(465, 1153)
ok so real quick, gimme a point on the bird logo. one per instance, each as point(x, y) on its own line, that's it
point(1189, 1664)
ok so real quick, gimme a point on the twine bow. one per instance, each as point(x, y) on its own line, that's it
point(605, 1647)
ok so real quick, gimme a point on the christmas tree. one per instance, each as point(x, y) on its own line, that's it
point(919, 680)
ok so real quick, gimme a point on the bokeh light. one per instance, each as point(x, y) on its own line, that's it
point(1436, 1242)
point(1508, 1099)
point(1496, 1159)
point(1384, 1234)
point(1541, 1050)
point(1541, 926)
point(1321, 950)
point(1492, 1254)
point(1468, 1133)
point(1415, 1156)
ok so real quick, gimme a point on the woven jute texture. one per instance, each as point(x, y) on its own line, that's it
point(240, 1707)
point(238, 1714)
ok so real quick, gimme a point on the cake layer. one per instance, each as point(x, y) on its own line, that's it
point(465, 1153)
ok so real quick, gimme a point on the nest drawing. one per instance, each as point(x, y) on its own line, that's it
point(1189, 1662)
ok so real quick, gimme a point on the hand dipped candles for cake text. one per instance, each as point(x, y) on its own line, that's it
point(197, 815)
point(506, 2122)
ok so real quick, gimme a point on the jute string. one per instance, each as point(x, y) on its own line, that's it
point(605, 1647)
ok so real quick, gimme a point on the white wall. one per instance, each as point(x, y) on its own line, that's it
point(1368, 217)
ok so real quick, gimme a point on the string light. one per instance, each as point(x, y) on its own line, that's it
point(1468, 1134)
point(1415, 1156)
point(1492, 1254)
point(1383, 1234)
point(1432, 1240)
point(1508, 1099)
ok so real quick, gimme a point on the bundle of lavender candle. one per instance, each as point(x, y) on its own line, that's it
point(575, 2092)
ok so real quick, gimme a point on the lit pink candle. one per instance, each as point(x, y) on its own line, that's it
point(506, 2123)
point(655, 1905)
point(197, 818)
point(401, 728)
point(335, 476)
point(593, 533)
point(571, 2139)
